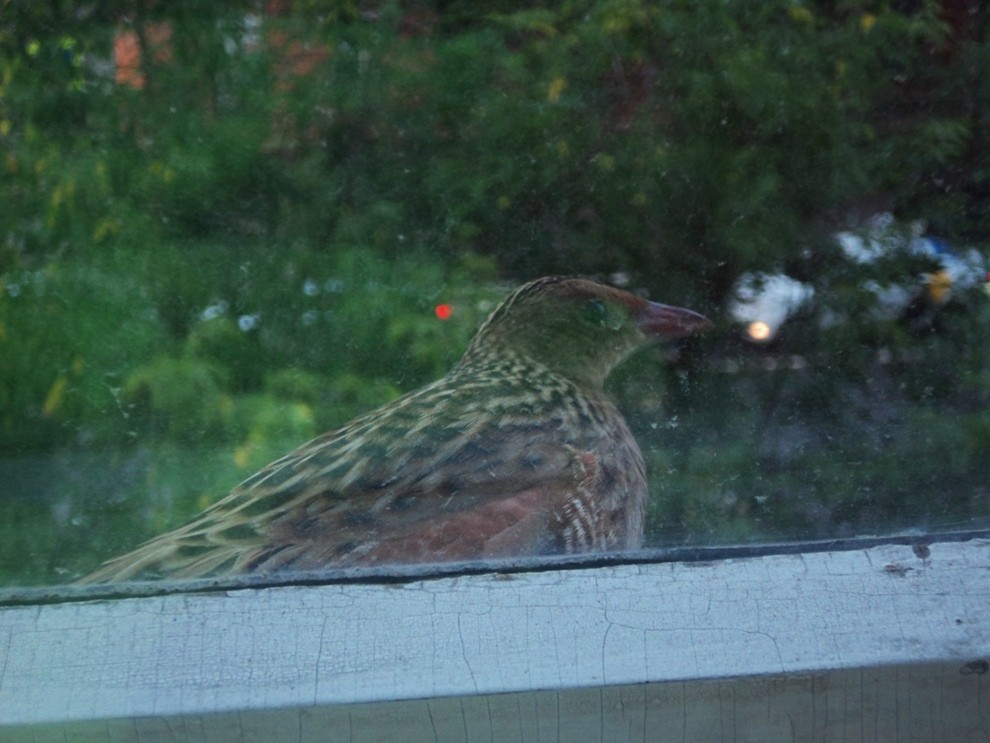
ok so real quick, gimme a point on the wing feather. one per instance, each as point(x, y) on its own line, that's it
point(336, 499)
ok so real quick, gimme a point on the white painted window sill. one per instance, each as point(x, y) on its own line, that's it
point(876, 642)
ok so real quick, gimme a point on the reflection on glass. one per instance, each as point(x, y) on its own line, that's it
point(228, 232)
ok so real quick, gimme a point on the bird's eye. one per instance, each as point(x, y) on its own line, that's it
point(595, 311)
point(604, 315)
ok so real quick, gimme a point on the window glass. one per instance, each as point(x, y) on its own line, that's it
point(230, 228)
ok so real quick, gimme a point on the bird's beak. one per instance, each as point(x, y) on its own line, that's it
point(664, 321)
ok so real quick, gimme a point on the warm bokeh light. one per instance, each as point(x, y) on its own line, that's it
point(939, 286)
point(758, 331)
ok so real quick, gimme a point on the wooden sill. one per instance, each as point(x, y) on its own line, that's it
point(881, 640)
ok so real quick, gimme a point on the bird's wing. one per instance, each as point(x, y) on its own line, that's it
point(387, 488)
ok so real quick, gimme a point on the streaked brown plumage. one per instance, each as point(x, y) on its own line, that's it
point(516, 451)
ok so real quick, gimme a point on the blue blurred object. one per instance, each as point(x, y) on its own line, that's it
point(763, 302)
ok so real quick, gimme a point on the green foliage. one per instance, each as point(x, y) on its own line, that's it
point(857, 442)
point(180, 397)
point(265, 423)
point(70, 332)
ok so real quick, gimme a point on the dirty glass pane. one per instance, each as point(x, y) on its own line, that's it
point(229, 228)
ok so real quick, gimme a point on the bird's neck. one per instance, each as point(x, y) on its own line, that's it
point(502, 365)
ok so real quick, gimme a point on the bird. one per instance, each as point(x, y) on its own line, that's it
point(517, 451)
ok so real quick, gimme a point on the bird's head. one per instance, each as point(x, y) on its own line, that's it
point(577, 327)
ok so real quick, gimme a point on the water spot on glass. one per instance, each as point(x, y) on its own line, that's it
point(216, 309)
point(248, 322)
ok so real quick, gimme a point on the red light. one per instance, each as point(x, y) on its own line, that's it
point(444, 311)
